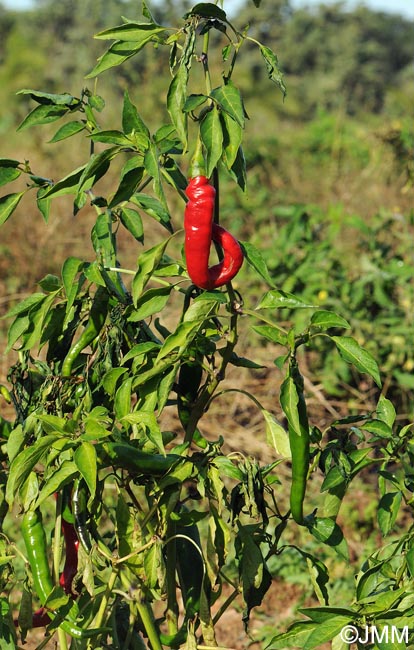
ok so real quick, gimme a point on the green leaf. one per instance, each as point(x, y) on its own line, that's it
point(176, 99)
point(378, 428)
point(388, 509)
point(131, 120)
point(152, 166)
point(319, 576)
point(85, 459)
point(24, 463)
point(67, 130)
point(96, 168)
point(272, 65)
point(149, 422)
point(111, 137)
point(272, 333)
point(326, 632)
point(132, 32)
point(238, 170)
point(276, 436)
point(43, 204)
point(67, 185)
point(9, 162)
point(324, 613)
point(179, 340)
point(327, 531)
point(207, 10)
point(289, 400)
point(295, 637)
point(25, 305)
point(8, 174)
point(326, 319)
point(212, 138)
point(386, 411)
point(62, 476)
point(256, 260)
point(352, 352)
point(131, 220)
point(229, 99)
point(8, 204)
point(63, 99)
point(278, 299)
point(255, 577)
point(70, 269)
point(232, 139)
point(50, 283)
point(148, 261)
point(151, 302)
point(43, 114)
point(154, 565)
point(194, 101)
point(131, 175)
point(119, 52)
point(154, 208)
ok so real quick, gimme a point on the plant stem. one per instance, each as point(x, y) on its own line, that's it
point(105, 599)
point(171, 565)
point(204, 60)
point(226, 605)
point(145, 614)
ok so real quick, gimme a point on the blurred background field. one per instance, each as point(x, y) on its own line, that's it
point(329, 200)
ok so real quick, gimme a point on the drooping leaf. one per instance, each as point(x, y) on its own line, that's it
point(131, 220)
point(131, 120)
point(273, 70)
point(278, 299)
point(212, 138)
point(352, 352)
point(68, 130)
point(388, 510)
point(43, 114)
point(131, 32)
point(207, 10)
point(154, 208)
point(229, 99)
point(326, 319)
point(8, 204)
point(256, 260)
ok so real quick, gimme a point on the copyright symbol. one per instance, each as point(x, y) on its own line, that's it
point(349, 634)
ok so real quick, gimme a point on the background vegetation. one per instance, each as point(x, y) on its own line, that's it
point(329, 201)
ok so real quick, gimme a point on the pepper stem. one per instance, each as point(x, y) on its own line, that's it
point(197, 165)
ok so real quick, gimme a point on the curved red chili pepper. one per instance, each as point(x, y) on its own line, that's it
point(71, 557)
point(200, 231)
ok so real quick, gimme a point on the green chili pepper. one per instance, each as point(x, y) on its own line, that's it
point(298, 439)
point(80, 514)
point(35, 540)
point(139, 462)
point(189, 380)
point(190, 568)
point(97, 317)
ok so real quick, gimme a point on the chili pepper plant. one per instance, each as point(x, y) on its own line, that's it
point(156, 533)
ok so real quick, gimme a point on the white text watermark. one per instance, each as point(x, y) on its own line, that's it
point(370, 634)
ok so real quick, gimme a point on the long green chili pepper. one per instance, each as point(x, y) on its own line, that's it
point(35, 540)
point(189, 379)
point(97, 317)
point(80, 513)
point(139, 462)
point(299, 444)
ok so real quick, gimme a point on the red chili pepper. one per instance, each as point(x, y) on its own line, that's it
point(71, 557)
point(200, 231)
point(40, 618)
